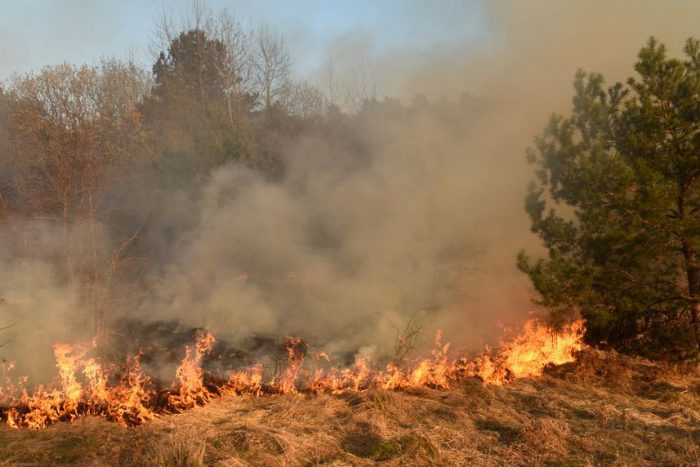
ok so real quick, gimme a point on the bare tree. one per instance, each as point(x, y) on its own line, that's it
point(361, 88)
point(350, 89)
point(168, 28)
point(258, 60)
point(220, 25)
point(332, 84)
point(407, 338)
point(6, 341)
point(272, 66)
point(4, 328)
point(305, 100)
point(73, 131)
point(239, 71)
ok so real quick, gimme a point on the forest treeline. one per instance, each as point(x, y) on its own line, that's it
point(102, 156)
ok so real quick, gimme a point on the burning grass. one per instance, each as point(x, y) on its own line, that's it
point(129, 397)
point(603, 409)
point(563, 404)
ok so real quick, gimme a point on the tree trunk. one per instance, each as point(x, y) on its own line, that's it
point(691, 269)
point(695, 319)
point(230, 108)
point(693, 277)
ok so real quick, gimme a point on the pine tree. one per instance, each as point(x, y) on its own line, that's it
point(616, 202)
point(192, 122)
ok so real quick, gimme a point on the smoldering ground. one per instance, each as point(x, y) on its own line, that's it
point(415, 209)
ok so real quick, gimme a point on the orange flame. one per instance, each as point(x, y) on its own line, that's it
point(189, 374)
point(84, 383)
point(249, 382)
point(286, 382)
point(529, 353)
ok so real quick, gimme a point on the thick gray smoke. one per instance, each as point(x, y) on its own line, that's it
point(344, 251)
point(425, 220)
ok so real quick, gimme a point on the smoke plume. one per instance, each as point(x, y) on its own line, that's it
point(418, 215)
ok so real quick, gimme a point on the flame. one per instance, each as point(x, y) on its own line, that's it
point(131, 402)
point(84, 384)
point(190, 376)
point(530, 352)
point(128, 403)
point(248, 382)
point(286, 382)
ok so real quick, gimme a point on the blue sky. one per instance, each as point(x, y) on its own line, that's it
point(38, 32)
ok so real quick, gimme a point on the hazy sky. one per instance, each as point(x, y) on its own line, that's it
point(437, 47)
point(38, 32)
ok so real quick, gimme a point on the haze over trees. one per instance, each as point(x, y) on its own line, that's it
point(103, 170)
point(617, 204)
point(72, 136)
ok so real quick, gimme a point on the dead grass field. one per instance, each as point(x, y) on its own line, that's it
point(603, 410)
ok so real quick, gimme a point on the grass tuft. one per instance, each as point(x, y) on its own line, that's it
point(178, 451)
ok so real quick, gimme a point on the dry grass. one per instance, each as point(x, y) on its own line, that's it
point(603, 410)
point(181, 449)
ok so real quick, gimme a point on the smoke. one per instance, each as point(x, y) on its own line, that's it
point(37, 305)
point(343, 251)
point(351, 243)
point(418, 213)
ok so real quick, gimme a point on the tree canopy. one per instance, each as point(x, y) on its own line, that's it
point(190, 111)
point(616, 202)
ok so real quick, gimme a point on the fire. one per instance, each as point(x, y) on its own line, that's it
point(529, 353)
point(131, 401)
point(245, 382)
point(127, 403)
point(190, 376)
point(84, 387)
point(286, 383)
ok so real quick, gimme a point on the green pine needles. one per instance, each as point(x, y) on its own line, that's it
point(616, 202)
